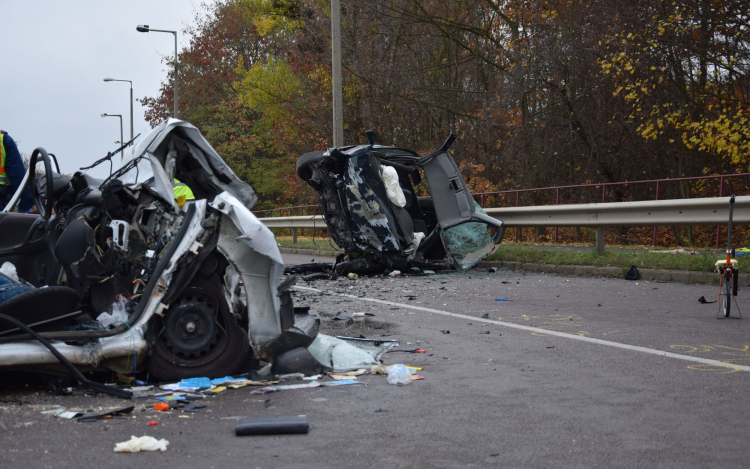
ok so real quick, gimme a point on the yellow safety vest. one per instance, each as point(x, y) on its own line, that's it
point(182, 192)
point(3, 178)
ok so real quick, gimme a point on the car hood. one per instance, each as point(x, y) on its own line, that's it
point(155, 167)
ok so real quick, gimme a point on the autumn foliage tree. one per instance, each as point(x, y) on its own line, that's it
point(540, 93)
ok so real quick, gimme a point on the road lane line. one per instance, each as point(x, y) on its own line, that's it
point(539, 330)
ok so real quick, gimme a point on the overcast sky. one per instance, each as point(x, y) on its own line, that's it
point(55, 56)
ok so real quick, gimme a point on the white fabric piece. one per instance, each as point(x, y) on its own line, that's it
point(392, 187)
point(418, 237)
point(144, 443)
point(9, 270)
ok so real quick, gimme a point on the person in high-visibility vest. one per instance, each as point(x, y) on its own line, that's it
point(12, 172)
point(182, 192)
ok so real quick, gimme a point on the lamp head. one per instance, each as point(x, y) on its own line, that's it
point(142, 28)
point(104, 115)
point(109, 79)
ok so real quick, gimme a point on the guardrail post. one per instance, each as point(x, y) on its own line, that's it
point(657, 198)
point(294, 235)
point(600, 240)
point(558, 203)
point(718, 228)
point(518, 204)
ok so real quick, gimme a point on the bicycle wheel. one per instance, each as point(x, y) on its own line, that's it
point(726, 294)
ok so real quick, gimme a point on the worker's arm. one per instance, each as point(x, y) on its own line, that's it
point(15, 171)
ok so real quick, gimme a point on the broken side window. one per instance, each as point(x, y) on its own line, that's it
point(467, 243)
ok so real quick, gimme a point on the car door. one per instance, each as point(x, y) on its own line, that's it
point(468, 233)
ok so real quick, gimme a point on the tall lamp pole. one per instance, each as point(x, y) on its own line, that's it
point(120, 116)
point(131, 103)
point(338, 101)
point(144, 28)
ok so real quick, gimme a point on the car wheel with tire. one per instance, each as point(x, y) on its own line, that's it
point(198, 335)
point(304, 171)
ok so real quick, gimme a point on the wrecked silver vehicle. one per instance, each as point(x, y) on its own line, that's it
point(371, 208)
point(189, 289)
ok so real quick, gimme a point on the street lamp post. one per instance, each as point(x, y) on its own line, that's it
point(121, 141)
point(338, 100)
point(131, 103)
point(144, 28)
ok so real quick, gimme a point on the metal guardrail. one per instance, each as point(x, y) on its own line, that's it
point(707, 211)
point(559, 191)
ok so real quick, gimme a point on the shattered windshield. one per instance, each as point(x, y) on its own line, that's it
point(468, 243)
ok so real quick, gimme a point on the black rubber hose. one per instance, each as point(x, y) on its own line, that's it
point(71, 368)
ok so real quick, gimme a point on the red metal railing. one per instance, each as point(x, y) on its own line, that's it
point(482, 196)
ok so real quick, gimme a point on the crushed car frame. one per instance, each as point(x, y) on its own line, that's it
point(198, 284)
point(371, 208)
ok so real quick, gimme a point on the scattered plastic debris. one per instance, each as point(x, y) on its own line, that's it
point(144, 443)
point(346, 355)
point(161, 407)
point(285, 387)
point(702, 300)
point(398, 374)
point(152, 423)
point(395, 273)
point(352, 276)
point(92, 417)
point(340, 382)
point(503, 299)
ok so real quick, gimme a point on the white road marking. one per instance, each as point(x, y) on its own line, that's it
point(635, 348)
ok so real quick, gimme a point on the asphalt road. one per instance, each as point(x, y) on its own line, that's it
point(639, 375)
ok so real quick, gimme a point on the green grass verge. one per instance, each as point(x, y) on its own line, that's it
point(640, 258)
point(624, 258)
point(321, 244)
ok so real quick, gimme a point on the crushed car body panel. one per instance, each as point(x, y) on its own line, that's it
point(376, 217)
point(197, 282)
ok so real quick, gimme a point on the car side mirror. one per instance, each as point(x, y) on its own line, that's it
point(370, 137)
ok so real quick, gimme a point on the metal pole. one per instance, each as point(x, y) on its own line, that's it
point(718, 228)
point(557, 203)
point(121, 141)
point(518, 204)
point(338, 102)
point(131, 110)
point(175, 74)
point(657, 198)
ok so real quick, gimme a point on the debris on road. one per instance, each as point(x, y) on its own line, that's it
point(503, 299)
point(144, 443)
point(92, 417)
point(398, 374)
point(702, 300)
point(633, 273)
point(271, 426)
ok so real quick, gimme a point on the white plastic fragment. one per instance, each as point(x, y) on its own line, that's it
point(395, 273)
point(398, 374)
point(9, 270)
point(392, 187)
point(144, 443)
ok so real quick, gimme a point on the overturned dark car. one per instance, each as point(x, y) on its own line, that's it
point(117, 274)
point(373, 213)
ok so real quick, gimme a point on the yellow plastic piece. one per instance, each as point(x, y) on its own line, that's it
point(723, 262)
